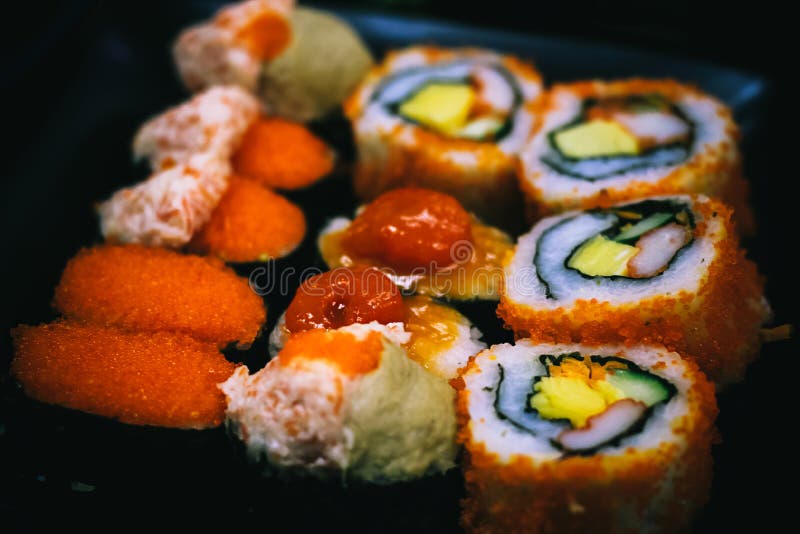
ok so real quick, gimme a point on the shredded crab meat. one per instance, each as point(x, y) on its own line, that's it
point(212, 123)
point(215, 53)
point(293, 415)
point(168, 208)
point(189, 148)
point(656, 249)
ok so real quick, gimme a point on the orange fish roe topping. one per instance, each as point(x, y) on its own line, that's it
point(162, 378)
point(410, 228)
point(345, 296)
point(251, 223)
point(282, 154)
point(152, 289)
point(351, 355)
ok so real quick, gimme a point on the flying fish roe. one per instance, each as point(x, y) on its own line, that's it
point(282, 154)
point(251, 223)
point(353, 356)
point(154, 378)
point(152, 289)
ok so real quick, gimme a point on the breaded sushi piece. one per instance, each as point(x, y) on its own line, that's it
point(345, 403)
point(251, 223)
point(282, 154)
point(663, 270)
point(300, 62)
point(452, 120)
point(189, 148)
point(579, 438)
point(424, 240)
point(599, 143)
point(152, 289)
point(439, 338)
point(140, 378)
point(232, 46)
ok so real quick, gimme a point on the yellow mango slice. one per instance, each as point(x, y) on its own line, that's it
point(602, 257)
point(576, 399)
point(443, 107)
point(596, 138)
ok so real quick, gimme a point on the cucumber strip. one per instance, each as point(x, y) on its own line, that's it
point(641, 386)
point(645, 225)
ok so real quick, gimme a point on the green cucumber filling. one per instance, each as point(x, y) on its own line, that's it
point(612, 136)
point(581, 403)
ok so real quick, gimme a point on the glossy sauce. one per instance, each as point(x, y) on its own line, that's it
point(478, 272)
point(345, 296)
point(410, 228)
point(433, 328)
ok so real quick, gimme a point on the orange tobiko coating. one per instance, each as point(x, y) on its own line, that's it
point(410, 228)
point(154, 289)
point(351, 355)
point(282, 154)
point(161, 379)
point(251, 223)
point(345, 296)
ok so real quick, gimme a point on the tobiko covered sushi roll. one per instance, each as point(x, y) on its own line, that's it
point(597, 143)
point(424, 240)
point(664, 269)
point(450, 120)
point(439, 337)
point(345, 403)
point(576, 438)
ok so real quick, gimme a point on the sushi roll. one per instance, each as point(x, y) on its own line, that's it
point(597, 143)
point(450, 120)
point(439, 338)
point(214, 160)
point(578, 438)
point(345, 403)
point(424, 240)
point(300, 62)
point(663, 269)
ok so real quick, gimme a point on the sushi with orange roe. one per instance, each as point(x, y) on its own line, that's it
point(425, 240)
point(250, 223)
point(453, 120)
point(162, 379)
point(346, 404)
point(152, 289)
point(300, 62)
point(439, 338)
point(584, 438)
point(663, 270)
point(282, 154)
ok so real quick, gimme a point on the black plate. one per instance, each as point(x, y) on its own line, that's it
point(63, 466)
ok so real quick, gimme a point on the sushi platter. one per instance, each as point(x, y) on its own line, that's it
point(348, 270)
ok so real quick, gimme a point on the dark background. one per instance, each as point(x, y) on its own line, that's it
point(59, 467)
